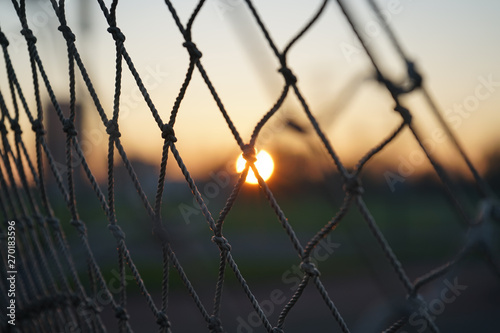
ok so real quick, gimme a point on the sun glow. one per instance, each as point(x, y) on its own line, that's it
point(264, 165)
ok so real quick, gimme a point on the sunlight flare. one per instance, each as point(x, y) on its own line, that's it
point(264, 165)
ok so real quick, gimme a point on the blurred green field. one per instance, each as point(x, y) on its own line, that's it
point(419, 223)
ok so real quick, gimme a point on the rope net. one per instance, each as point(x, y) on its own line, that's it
point(51, 293)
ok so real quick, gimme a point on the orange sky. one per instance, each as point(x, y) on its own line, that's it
point(455, 50)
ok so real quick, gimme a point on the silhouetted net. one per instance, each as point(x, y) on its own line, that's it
point(52, 294)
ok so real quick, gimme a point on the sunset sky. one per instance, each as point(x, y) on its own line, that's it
point(454, 43)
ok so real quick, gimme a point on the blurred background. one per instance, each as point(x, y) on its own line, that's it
point(455, 46)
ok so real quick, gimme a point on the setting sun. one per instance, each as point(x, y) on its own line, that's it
point(264, 165)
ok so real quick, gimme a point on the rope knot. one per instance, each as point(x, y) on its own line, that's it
point(28, 34)
point(193, 50)
point(28, 221)
point(121, 313)
point(222, 243)
point(162, 319)
point(3, 129)
point(53, 222)
point(3, 39)
point(80, 226)
point(160, 232)
point(290, 78)
point(92, 305)
point(277, 330)
point(69, 127)
point(37, 127)
point(167, 132)
point(353, 186)
point(112, 129)
point(67, 33)
point(249, 153)
point(414, 75)
point(15, 127)
point(215, 325)
point(394, 89)
point(309, 268)
point(117, 231)
point(117, 34)
point(405, 113)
